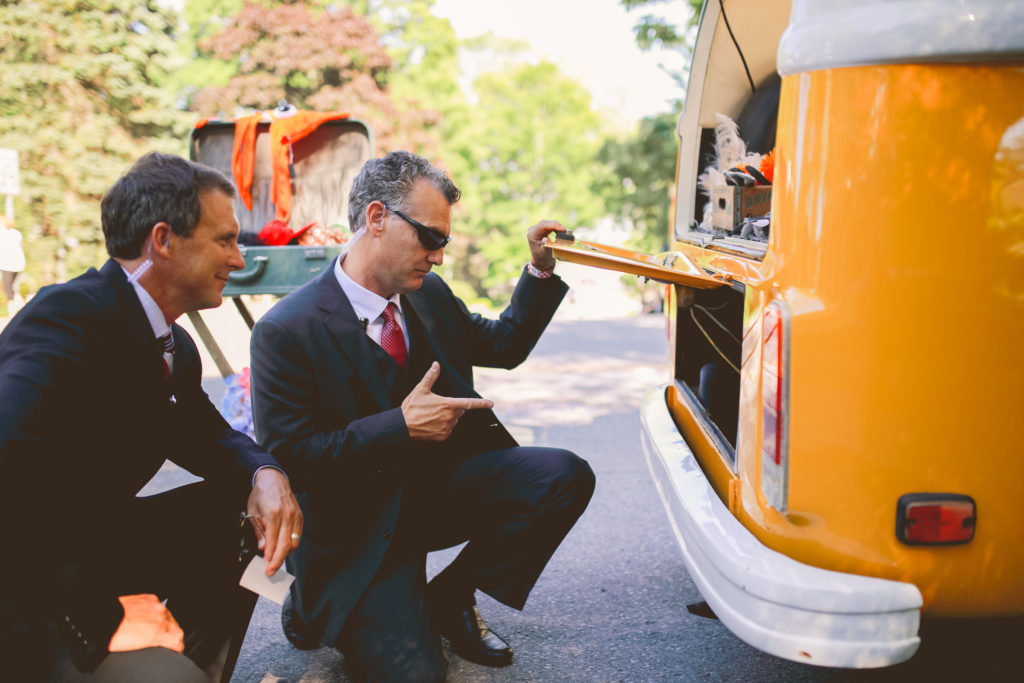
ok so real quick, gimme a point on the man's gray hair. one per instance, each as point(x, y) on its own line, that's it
point(390, 180)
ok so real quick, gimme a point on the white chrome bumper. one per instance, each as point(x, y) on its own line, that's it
point(775, 603)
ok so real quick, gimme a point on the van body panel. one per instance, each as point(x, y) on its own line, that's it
point(867, 207)
point(828, 34)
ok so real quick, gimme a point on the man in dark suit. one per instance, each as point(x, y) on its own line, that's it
point(363, 387)
point(98, 386)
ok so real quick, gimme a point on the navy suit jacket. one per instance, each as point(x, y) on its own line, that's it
point(86, 419)
point(324, 407)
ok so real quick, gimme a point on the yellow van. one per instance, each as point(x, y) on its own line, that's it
point(840, 446)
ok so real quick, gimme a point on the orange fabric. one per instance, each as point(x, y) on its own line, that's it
point(768, 166)
point(283, 133)
point(243, 155)
point(202, 122)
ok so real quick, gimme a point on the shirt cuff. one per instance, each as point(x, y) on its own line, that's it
point(537, 272)
point(265, 467)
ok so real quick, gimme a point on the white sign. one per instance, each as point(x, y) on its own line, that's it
point(9, 171)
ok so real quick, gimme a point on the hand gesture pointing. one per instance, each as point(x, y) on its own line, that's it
point(430, 417)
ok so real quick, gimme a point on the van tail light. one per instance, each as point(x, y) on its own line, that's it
point(775, 404)
point(935, 518)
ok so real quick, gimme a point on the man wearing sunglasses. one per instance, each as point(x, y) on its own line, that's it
point(363, 389)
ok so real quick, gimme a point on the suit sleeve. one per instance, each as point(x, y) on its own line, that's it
point(290, 422)
point(210, 447)
point(507, 341)
point(38, 361)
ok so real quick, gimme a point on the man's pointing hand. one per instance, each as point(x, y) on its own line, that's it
point(430, 417)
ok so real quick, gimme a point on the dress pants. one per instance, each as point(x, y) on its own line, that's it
point(183, 546)
point(513, 505)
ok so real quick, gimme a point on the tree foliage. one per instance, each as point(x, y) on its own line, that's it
point(314, 58)
point(424, 54)
point(657, 32)
point(91, 85)
point(81, 96)
point(640, 183)
point(532, 154)
point(654, 31)
point(642, 164)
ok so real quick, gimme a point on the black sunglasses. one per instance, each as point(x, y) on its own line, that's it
point(431, 238)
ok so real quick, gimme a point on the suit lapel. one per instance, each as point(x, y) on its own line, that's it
point(340, 320)
point(138, 323)
point(421, 309)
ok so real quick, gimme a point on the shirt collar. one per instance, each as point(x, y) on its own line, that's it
point(152, 309)
point(367, 305)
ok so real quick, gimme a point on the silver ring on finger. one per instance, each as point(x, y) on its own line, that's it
point(296, 537)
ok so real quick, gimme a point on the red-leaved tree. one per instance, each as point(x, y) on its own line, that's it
point(314, 58)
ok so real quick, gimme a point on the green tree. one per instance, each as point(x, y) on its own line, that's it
point(424, 52)
point(642, 164)
point(203, 18)
point(82, 95)
point(653, 31)
point(640, 183)
point(424, 78)
point(531, 154)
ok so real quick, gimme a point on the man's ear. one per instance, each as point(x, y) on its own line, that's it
point(160, 239)
point(375, 217)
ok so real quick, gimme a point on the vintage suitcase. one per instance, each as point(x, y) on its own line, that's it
point(325, 162)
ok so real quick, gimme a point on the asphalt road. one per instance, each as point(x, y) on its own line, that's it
point(612, 604)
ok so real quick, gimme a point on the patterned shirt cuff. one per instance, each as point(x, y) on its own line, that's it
point(537, 272)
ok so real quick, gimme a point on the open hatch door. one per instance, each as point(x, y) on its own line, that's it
point(670, 267)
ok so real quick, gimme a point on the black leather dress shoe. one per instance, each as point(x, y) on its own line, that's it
point(297, 633)
point(471, 638)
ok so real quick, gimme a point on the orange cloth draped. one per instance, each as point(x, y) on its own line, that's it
point(243, 155)
point(284, 133)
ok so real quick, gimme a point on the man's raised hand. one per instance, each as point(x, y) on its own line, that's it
point(430, 417)
point(537, 237)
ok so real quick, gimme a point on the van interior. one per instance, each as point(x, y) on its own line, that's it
point(709, 336)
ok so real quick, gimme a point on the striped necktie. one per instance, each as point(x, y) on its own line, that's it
point(166, 342)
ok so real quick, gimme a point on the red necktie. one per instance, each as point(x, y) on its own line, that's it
point(392, 339)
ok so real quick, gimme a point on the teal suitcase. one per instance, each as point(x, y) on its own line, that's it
point(325, 163)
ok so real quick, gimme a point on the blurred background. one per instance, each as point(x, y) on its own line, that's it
point(537, 109)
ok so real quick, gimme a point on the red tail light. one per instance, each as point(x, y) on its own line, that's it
point(935, 518)
point(775, 404)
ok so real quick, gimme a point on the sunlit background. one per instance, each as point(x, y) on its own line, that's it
point(537, 109)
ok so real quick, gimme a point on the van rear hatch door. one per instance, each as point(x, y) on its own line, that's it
point(669, 267)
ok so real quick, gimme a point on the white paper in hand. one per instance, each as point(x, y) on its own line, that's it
point(273, 587)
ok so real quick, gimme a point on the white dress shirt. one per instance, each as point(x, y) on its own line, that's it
point(153, 314)
point(369, 307)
